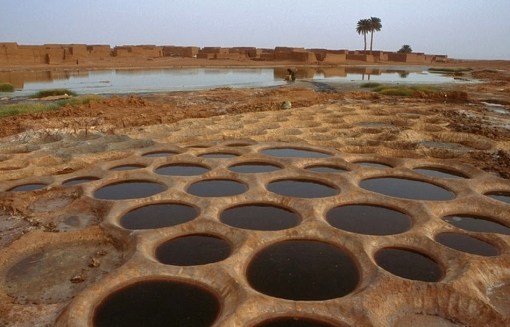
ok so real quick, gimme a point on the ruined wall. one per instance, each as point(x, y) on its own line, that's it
point(359, 57)
point(334, 58)
point(183, 52)
point(407, 57)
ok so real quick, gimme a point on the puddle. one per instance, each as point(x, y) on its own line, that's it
point(407, 189)
point(181, 170)
point(79, 180)
point(294, 153)
point(158, 303)
point(127, 167)
point(367, 219)
point(253, 168)
point(303, 270)
point(477, 224)
point(27, 187)
point(301, 189)
point(294, 322)
point(260, 217)
point(372, 164)
point(192, 250)
point(159, 154)
point(327, 169)
point(438, 172)
point(217, 187)
point(467, 244)
point(158, 215)
point(500, 196)
point(218, 155)
point(409, 264)
point(128, 190)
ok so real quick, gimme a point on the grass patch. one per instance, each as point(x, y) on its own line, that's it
point(370, 85)
point(406, 90)
point(6, 87)
point(449, 70)
point(32, 107)
point(53, 92)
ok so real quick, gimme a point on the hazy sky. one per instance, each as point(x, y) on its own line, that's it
point(474, 29)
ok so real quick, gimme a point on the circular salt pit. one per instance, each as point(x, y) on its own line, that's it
point(181, 170)
point(254, 168)
point(192, 250)
point(158, 303)
point(294, 153)
point(500, 196)
point(158, 215)
point(217, 188)
point(128, 190)
point(409, 264)
point(218, 155)
point(28, 187)
point(303, 270)
point(294, 322)
point(301, 188)
point(127, 167)
point(327, 169)
point(79, 180)
point(260, 217)
point(439, 172)
point(467, 244)
point(477, 224)
point(158, 154)
point(368, 219)
point(407, 189)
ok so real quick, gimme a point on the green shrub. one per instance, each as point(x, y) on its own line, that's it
point(23, 108)
point(397, 91)
point(6, 87)
point(370, 85)
point(54, 92)
point(451, 70)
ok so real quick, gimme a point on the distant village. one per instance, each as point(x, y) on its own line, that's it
point(53, 54)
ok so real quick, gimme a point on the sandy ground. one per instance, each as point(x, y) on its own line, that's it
point(40, 229)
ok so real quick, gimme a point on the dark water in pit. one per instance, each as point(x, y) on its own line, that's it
point(158, 216)
point(28, 187)
point(158, 304)
point(367, 219)
point(253, 168)
point(467, 244)
point(215, 188)
point(294, 153)
point(260, 217)
point(409, 264)
point(407, 189)
point(79, 180)
point(126, 167)
point(500, 196)
point(128, 190)
point(301, 189)
point(218, 155)
point(477, 224)
point(327, 169)
point(182, 170)
point(443, 173)
point(193, 250)
point(372, 164)
point(303, 270)
point(294, 322)
point(159, 154)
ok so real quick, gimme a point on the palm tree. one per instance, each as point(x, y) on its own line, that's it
point(406, 48)
point(375, 26)
point(363, 28)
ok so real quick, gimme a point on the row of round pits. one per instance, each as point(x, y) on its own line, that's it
point(79, 180)
point(367, 219)
point(327, 169)
point(294, 153)
point(130, 189)
point(407, 188)
point(159, 154)
point(191, 250)
point(439, 172)
point(216, 188)
point(466, 243)
point(302, 188)
point(294, 322)
point(500, 196)
point(28, 187)
point(303, 270)
point(409, 264)
point(127, 167)
point(158, 303)
point(158, 215)
point(260, 217)
point(477, 224)
point(254, 168)
point(182, 170)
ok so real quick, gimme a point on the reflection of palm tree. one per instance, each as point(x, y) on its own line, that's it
point(375, 26)
point(363, 28)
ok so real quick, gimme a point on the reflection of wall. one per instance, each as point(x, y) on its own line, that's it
point(334, 72)
point(301, 73)
point(19, 78)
